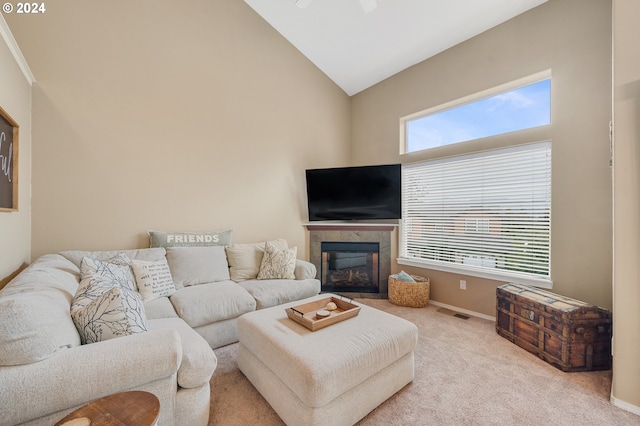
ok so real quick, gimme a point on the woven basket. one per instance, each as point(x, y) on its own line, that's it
point(413, 295)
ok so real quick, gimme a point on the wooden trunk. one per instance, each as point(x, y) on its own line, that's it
point(568, 334)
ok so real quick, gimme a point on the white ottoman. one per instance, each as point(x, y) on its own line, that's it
point(332, 376)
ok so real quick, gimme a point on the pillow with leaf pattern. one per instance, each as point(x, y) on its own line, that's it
point(277, 263)
point(116, 312)
point(106, 304)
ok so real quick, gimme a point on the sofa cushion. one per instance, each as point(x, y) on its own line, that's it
point(198, 359)
point(153, 279)
point(35, 311)
point(76, 256)
point(245, 259)
point(159, 308)
point(31, 330)
point(207, 303)
point(269, 293)
point(276, 263)
point(115, 313)
point(189, 239)
point(197, 265)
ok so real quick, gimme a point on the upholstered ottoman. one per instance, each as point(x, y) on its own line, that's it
point(332, 376)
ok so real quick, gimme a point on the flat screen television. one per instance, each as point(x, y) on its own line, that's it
point(354, 193)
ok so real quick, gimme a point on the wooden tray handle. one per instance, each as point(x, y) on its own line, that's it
point(297, 311)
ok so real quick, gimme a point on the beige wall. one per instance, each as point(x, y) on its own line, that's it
point(572, 38)
point(15, 227)
point(170, 115)
point(626, 294)
point(147, 115)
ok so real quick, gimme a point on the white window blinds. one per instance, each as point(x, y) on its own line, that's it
point(486, 211)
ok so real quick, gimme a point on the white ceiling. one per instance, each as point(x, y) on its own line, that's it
point(357, 49)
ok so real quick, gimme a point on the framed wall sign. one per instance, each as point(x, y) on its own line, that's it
point(8, 163)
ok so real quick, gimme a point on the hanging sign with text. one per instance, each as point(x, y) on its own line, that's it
point(8, 162)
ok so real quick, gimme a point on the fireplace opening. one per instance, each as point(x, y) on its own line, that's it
point(350, 267)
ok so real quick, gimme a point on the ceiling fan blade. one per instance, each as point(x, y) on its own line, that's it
point(368, 5)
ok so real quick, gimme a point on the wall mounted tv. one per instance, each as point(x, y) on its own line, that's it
point(354, 193)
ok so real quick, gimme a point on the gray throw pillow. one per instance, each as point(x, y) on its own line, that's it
point(189, 239)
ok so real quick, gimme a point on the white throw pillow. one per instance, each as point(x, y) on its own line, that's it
point(106, 304)
point(98, 276)
point(153, 279)
point(245, 259)
point(277, 264)
point(118, 269)
point(117, 312)
point(90, 289)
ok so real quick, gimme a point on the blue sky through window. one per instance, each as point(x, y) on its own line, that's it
point(522, 108)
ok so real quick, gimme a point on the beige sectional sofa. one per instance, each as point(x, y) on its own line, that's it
point(46, 372)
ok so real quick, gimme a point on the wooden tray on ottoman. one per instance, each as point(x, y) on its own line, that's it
point(305, 314)
point(567, 333)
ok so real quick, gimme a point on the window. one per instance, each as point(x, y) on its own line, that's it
point(523, 107)
point(476, 224)
point(485, 214)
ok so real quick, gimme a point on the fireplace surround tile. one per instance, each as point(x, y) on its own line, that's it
point(353, 233)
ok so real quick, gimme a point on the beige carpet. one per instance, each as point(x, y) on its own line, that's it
point(465, 374)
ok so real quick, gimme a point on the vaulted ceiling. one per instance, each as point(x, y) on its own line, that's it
point(358, 43)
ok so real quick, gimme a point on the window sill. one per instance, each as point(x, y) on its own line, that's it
point(497, 275)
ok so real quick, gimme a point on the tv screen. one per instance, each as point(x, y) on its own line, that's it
point(354, 193)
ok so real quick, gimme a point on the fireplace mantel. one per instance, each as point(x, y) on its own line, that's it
point(347, 226)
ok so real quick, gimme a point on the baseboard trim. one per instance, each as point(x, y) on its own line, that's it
point(463, 311)
point(625, 405)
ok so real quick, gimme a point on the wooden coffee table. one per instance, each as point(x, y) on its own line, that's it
point(126, 408)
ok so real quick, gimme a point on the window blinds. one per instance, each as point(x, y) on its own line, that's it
point(483, 211)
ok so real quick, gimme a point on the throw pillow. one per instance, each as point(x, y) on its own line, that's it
point(197, 265)
point(153, 279)
point(189, 239)
point(76, 256)
point(117, 312)
point(117, 269)
point(245, 259)
point(98, 276)
point(277, 264)
point(90, 289)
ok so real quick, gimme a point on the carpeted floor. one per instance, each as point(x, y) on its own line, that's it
point(465, 374)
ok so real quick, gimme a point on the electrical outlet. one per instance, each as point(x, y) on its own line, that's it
point(463, 285)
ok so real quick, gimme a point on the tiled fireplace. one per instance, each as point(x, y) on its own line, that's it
point(350, 266)
point(350, 257)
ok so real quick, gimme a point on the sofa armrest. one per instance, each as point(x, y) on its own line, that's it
point(88, 372)
point(304, 270)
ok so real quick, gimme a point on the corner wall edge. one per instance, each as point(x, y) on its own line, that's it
point(10, 41)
